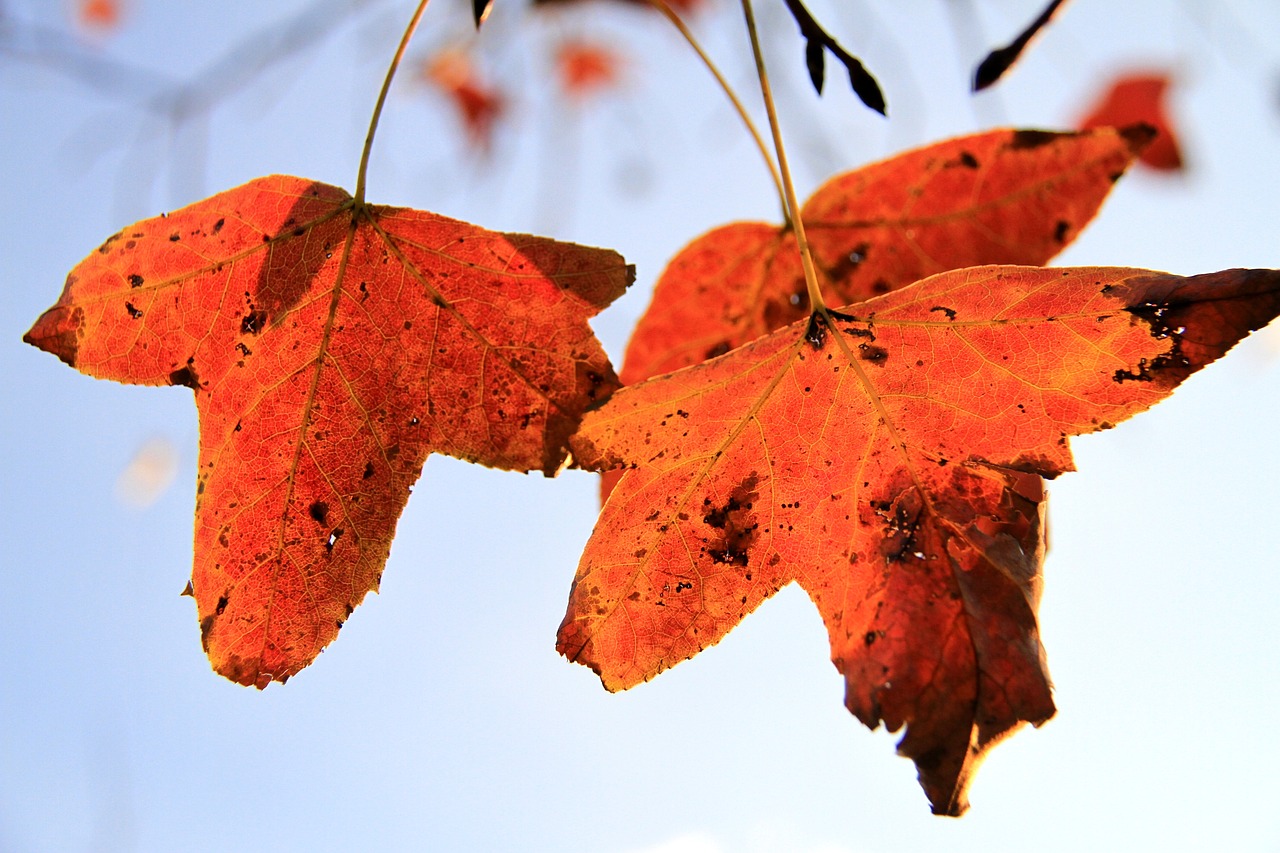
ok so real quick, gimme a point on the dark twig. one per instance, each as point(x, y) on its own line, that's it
point(817, 42)
point(1001, 59)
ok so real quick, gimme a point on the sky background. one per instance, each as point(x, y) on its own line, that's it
point(442, 717)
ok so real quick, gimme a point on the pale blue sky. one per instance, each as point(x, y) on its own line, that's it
point(442, 718)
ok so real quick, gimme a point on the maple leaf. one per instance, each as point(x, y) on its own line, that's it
point(1140, 97)
point(889, 460)
point(332, 345)
point(999, 197)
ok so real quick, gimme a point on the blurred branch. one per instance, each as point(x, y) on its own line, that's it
point(179, 103)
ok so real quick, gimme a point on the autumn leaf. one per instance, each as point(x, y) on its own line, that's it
point(332, 345)
point(889, 460)
point(479, 104)
point(1003, 196)
point(999, 197)
point(1140, 97)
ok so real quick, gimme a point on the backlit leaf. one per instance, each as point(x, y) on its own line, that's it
point(1004, 196)
point(889, 460)
point(331, 346)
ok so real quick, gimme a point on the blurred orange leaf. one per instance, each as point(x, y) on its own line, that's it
point(478, 104)
point(584, 68)
point(99, 15)
point(1140, 97)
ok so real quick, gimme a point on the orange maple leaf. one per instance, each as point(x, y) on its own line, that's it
point(1140, 97)
point(888, 459)
point(332, 345)
point(999, 197)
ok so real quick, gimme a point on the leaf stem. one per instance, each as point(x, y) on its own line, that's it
point(665, 9)
point(816, 303)
point(382, 99)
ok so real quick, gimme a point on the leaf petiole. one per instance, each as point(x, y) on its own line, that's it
point(816, 303)
point(382, 99)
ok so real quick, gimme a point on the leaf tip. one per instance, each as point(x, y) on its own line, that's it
point(57, 332)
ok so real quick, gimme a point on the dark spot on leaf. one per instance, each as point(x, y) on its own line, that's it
point(135, 313)
point(319, 511)
point(222, 605)
point(872, 353)
point(253, 322)
point(1060, 230)
point(968, 160)
point(217, 226)
point(368, 471)
point(869, 638)
point(849, 263)
point(185, 376)
point(816, 332)
point(135, 280)
point(735, 521)
point(718, 350)
point(950, 312)
point(1026, 139)
point(106, 244)
point(1138, 136)
point(175, 237)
